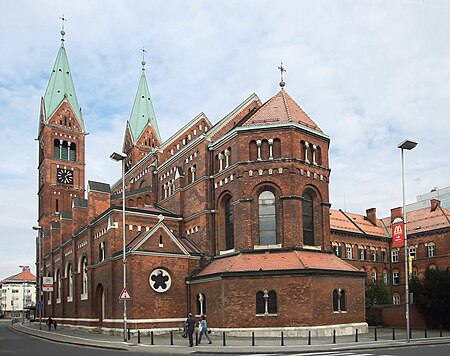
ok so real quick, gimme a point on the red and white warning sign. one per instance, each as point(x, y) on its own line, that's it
point(124, 295)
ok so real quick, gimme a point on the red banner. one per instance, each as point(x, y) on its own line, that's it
point(397, 234)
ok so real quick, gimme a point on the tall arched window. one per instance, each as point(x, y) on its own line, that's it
point(84, 276)
point(69, 276)
point(201, 304)
point(267, 218)
point(56, 149)
point(58, 286)
point(260, 303)
point(65, 151)
point(253, 151)
point(272, 302)
point(73, 152)
point(229, 225)
point(307, 219)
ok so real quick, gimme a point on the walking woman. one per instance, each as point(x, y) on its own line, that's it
point(204, 330)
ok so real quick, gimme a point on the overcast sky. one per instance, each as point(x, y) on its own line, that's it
point(369, 73)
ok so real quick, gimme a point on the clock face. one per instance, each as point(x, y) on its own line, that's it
point(65, 176)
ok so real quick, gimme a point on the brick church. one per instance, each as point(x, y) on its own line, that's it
point(230, 219)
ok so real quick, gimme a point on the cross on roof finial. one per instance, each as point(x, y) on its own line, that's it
point(143, 58)
point(62, 27)
point(281, 68)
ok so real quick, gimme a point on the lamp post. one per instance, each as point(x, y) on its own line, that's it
point(38, 272)
point(115, 156)
point(406, 145)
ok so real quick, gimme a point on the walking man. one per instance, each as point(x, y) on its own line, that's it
point(190, 327)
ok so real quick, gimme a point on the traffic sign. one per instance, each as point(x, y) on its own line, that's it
point(124, 295)
point(40, 305)
point(47, 284)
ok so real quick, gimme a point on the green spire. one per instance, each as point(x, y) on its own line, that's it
point(60, 86)
point(142, 112)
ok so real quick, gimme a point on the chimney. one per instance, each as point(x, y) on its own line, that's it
point(396, 213)
point(434, 204)
point(25, 268)
point(372, 215)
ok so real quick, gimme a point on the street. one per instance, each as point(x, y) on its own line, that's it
point(17, 343)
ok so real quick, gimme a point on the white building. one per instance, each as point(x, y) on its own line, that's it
point(18, 292)
point(423, 200)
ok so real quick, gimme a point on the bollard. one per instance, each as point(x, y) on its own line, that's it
point(334, 336)
point(393, 333)
point(129, 334)
point(282, 339)
point(196, 338)
point(139, 336)
point(410, 333)
point(253, 338)
point(151, 338)
point(223, 339)
point(171, 337)
point(426, 333)
point(309, 337)
point(356, 336)
point(440, 330)
point(376, 335)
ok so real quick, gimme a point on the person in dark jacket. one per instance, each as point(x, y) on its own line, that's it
point(190, 327)
point(49, 322)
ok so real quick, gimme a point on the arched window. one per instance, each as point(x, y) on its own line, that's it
point(56, 149)
point(307, 219)
point(266, 303)
point(260, 304)
point(374, 275)
point(201, 304)
point(147, 200)
point(272, 302)
point(58, 286)
point(84, 276)
point(276, 148)
point(140, 202)
point(253, 151)
point(73, 152)
point(69, 276)
point(65, 151)
point(102, 251)
point(339, 302)
point(267, 218)
point(229, 225)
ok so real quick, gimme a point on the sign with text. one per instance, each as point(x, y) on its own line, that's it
point(398, 234)
point(47, 284)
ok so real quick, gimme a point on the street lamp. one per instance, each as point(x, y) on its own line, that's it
point(115, 156)
point(38, 273)
point(406, 145)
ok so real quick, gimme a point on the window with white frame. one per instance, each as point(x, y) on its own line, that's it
point(412, 252)
point(373, 253)
point(394, 255)
point(395, 277)
point(374, 275)
point(431, 250)
point(385, 277)
point(396, 299)
point(84, 278)
point(362, 253)
point(349, 252)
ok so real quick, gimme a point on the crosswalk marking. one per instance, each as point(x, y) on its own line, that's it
point(323, 353)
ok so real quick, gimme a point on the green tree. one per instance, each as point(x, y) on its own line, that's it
point(376, 294)
point(431, 296)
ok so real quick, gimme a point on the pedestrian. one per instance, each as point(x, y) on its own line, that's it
point(49, 322)
point(190, 327)
point(55, 324)
point(204, 330)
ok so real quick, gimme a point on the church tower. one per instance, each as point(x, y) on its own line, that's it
point(61, 139)
point(141, 133)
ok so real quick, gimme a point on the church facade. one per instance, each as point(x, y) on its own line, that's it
point(230, 219)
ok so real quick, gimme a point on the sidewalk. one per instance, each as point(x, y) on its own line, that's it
point(239, 345)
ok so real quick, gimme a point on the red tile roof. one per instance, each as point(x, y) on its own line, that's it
point(26, 275)
point(276, 261)
point(281, 108)
point(355, 223)
point(422, 220)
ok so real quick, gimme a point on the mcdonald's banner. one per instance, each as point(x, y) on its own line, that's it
point(397, 234)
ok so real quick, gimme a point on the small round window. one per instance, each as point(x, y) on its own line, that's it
point(160, 280)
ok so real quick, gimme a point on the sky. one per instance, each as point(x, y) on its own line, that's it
point(369, 73)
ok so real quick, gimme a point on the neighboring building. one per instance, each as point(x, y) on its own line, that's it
point(231, 220)
point(424, 200)
point(18, 292)
point(365, 242)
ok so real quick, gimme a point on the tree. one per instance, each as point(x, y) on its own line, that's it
point(432, 296)
point(376, 294)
